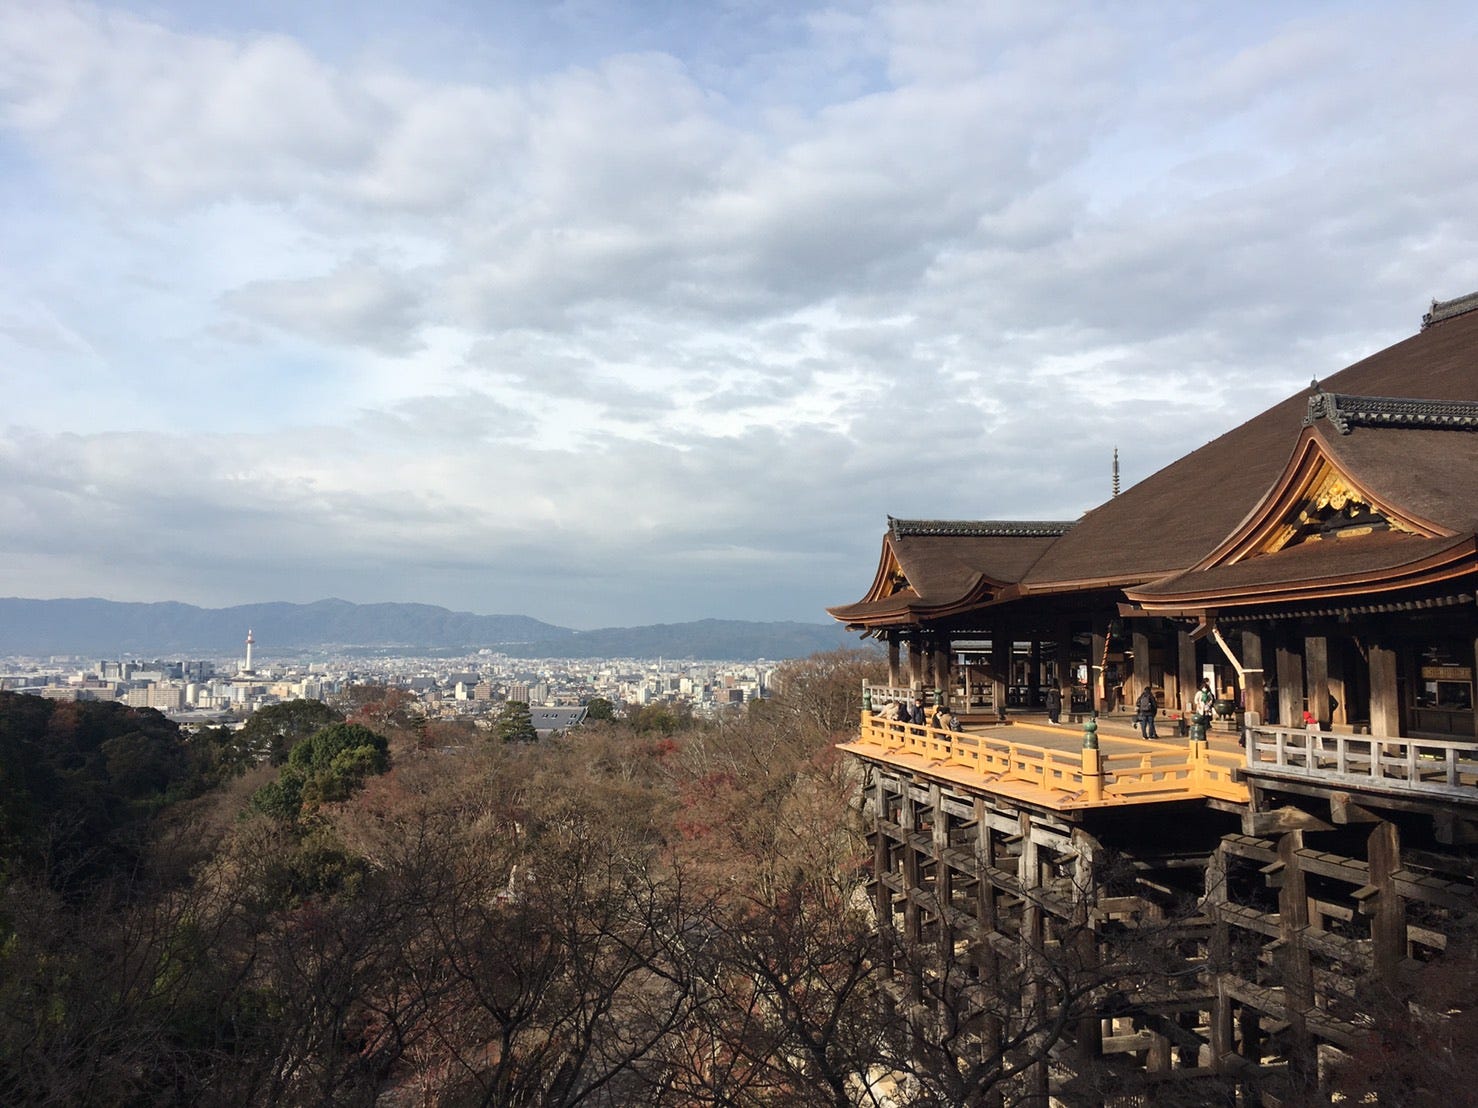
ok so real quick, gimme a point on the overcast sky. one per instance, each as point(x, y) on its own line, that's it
point(617, 313)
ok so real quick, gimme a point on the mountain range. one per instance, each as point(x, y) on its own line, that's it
point(110, 628)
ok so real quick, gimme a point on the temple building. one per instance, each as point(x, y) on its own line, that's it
point(1318, 566)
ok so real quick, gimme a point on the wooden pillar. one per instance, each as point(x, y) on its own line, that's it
point(1294, 961)
point(1340, 713)
point(944, 882)
point(882, 864)
point(1186, 669)
point(1029, 875)
point(983, 950)
point(1095, 669)
point(1064, 655)
point(1385, 706)
point(1475, 674)
point(1139, 677)
point(1290, 686)
point(1219, 958)
point(1000, 664)
point(1085, 899)
point(895, 671)
point(1388, 926)
point(1034, 672)
point(939, 666)
point(912, 932)
point(1316, 672)
point(1254, 684)
point(1249, 1034)
point(916, 650)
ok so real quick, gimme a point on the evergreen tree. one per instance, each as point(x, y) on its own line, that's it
point(515, 723)
point(600, 708)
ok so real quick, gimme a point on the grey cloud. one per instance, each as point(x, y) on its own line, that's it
point(361, 303)
point(676, 340)
point(463, 418)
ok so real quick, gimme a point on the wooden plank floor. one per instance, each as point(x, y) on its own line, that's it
point(1045, 764)
point(1116, 729)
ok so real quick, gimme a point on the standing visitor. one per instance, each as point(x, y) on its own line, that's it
point(1054, 704)
point(1145, 710)
point(1203, 700)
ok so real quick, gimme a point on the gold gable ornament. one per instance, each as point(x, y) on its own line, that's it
point(1329, 507)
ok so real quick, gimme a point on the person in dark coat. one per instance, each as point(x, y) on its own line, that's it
point(1054, 704)
point(917, 715)
point(1145, 710)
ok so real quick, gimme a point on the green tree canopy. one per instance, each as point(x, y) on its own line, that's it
point(515, 723)
point(276, 729)
point(600, 707)
point(78, 779)
point(328, 766)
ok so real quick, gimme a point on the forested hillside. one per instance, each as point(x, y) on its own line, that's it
point(377, 910)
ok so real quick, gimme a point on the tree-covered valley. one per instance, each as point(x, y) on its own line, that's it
point(355, 906)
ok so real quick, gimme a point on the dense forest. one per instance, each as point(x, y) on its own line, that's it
point(352, 905)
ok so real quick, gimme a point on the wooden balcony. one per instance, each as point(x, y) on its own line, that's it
point(1048, 766)
point(1430, 768)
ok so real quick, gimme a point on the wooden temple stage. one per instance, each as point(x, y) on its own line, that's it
point(1269, 860)
point(1300, 883)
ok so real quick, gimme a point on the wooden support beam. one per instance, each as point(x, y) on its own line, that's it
point(1385, 701)
point(1281, 820)
point(1388, 925)
point(916, 651)
point(1343, 809)
point(1290, 686)
point(1139, 671)
point(1029, 874)
point(1454, 829)
point(1293, 959)
point(1254, 698)
point(1316, 669)
point(943, 875)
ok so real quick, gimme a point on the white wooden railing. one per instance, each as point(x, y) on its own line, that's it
point(881, 694)
point(1427, 766)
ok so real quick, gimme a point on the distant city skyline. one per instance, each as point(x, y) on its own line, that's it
point(628, 313)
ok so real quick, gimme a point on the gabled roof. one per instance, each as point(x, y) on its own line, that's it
point(1372, 564)
point(933, 568)
point(1391, 442)
point(1168, 522)
point(1390, 505)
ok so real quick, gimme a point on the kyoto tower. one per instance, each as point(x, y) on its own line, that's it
point(249, 643)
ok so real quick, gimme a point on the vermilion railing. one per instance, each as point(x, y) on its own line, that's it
point(1089, 776)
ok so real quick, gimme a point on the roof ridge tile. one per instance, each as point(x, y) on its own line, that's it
point(977, 528)
point(1346, 412)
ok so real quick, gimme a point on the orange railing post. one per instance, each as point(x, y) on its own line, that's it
point(1092, 759)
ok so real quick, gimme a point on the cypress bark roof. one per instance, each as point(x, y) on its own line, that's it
point(1171, 520)
point(1401, 426)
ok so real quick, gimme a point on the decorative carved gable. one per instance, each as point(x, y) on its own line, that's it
point(1328, 507)
point(1314, 501)
point(892, 579)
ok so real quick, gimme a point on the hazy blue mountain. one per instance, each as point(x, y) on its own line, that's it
point(704, 638)
point(109, 628)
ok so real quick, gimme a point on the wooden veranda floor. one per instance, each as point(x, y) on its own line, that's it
point(1030, 760)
